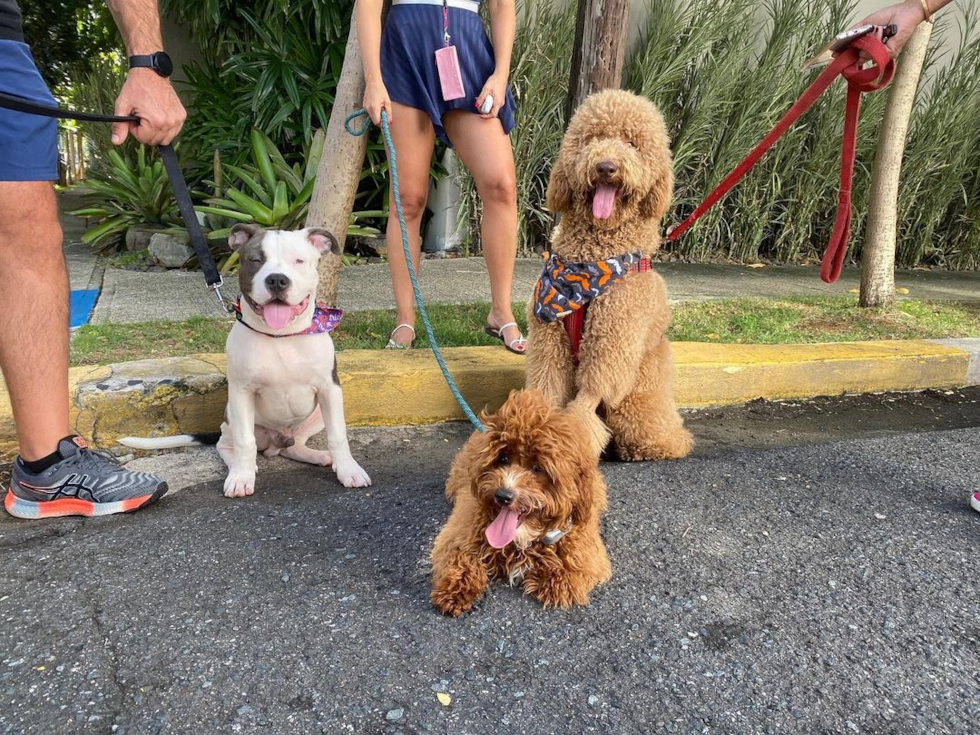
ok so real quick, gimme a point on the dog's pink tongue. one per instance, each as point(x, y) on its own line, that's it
point(502, 531)
point(277, 314)
point(603, 201)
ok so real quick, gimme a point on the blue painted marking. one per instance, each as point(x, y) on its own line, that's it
point(82, 303)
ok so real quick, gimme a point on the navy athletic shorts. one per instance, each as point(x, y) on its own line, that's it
point(28, 143)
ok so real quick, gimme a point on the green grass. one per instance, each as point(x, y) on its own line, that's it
point(100, 344)
point(819, 319)
point(746, 321)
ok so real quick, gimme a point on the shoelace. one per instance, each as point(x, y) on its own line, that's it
point(92, 460)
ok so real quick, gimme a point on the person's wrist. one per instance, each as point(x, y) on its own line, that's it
point(145, 73)
point(921, 7)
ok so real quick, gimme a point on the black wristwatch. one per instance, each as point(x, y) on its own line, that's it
point(160, 62)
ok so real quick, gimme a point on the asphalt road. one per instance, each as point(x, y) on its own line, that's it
point(797, 586)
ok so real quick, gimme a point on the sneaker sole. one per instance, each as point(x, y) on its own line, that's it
point(31, 510)
point(975, 503)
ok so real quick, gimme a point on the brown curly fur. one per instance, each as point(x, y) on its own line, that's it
point(626, 368)
point(545, 458)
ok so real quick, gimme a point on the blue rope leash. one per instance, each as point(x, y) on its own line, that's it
point(408, 256)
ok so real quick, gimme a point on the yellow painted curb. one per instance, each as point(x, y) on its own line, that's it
point(187, 394)
point(726, 374)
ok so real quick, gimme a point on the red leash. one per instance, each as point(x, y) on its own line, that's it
point(859, 80)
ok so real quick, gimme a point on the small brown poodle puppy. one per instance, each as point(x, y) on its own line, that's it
point(527, 496)
point(612, 184)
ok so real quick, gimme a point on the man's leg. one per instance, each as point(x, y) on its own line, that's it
point(33, 315)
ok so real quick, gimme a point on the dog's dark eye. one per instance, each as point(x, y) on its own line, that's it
point(503, 459)
point(631, 144)
point(299, 262)
point(255, 260)
point(535, 469)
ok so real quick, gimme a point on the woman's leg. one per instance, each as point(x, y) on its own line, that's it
point(414, 139)
point(485, 149)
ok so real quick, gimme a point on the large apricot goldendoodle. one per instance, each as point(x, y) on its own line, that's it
point(612, 184)
point(527, 496)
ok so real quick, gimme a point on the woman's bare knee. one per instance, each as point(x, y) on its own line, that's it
point(413, 204)
point(499, 189)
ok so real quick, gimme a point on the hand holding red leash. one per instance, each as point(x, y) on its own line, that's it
point(859, 79)
point(905, 16)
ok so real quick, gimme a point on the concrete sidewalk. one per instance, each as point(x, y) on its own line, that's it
point(132, 296)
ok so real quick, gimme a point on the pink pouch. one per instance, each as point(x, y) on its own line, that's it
point(450, 76)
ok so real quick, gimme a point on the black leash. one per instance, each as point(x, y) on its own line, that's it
point(176, 176)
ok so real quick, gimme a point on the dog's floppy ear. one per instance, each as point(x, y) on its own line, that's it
point(323, 241)
point(657, 201)
point(559, 196)
point(241, 234)
point(574, 467)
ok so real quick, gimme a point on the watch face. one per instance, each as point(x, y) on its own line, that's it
point(163, 64)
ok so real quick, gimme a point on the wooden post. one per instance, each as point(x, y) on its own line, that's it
point(340, 166)
point(878, 252)
point(600, 47)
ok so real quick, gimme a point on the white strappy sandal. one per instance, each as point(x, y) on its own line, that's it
point(498, 332)
point(392, 345)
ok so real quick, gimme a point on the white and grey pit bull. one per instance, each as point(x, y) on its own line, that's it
point(282, 371)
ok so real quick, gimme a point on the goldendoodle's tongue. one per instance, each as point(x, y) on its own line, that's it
point(603, 201)
point(502, 531)
point(277, 314)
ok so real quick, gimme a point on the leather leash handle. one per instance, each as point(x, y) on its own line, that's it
point(848, 65)
point(177, 183)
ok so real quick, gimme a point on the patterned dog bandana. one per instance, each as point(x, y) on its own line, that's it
point(325, 319)
point(567, 287)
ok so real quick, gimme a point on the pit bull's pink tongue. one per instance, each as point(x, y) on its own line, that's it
point(603, 201)
point(277, 314)
point(502, 531)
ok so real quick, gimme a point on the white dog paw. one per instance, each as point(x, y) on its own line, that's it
point(239, 485)
point(350, 474)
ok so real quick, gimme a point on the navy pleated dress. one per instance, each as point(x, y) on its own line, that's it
point(412, 34)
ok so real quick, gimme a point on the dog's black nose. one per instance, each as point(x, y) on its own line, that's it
point(606, 169)
point(276, 282)
point(504, 496)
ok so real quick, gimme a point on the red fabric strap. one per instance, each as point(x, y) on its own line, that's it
point(575, 322)
point(643, 264)
point(848, 65)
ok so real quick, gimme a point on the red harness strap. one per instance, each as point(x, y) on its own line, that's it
point(859, 80)
point(575, 322)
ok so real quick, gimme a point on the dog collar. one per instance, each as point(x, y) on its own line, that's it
point(565, 286)
point(555, 535)
point(325, 319)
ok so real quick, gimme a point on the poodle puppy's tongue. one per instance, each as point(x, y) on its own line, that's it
point(502, 531)
point(277, 314)
point(603, 201)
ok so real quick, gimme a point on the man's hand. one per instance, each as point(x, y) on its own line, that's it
point(152, 99)
point(906, 16)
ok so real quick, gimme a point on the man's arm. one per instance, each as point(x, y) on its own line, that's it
point(145, 94)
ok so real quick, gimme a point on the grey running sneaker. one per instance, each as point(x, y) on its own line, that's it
point(83, 483)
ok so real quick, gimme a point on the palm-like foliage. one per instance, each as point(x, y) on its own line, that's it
point(267, 191)
point(132, 192)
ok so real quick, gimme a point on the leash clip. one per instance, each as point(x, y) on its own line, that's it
point(221, 299)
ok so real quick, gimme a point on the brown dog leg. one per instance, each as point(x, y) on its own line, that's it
point(646, 424)
point(457, 582)
point(549, 361)
point(579, 564)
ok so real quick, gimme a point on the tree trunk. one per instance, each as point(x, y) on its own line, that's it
point(600, 46)
point(878, 252)
point(340, 167)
